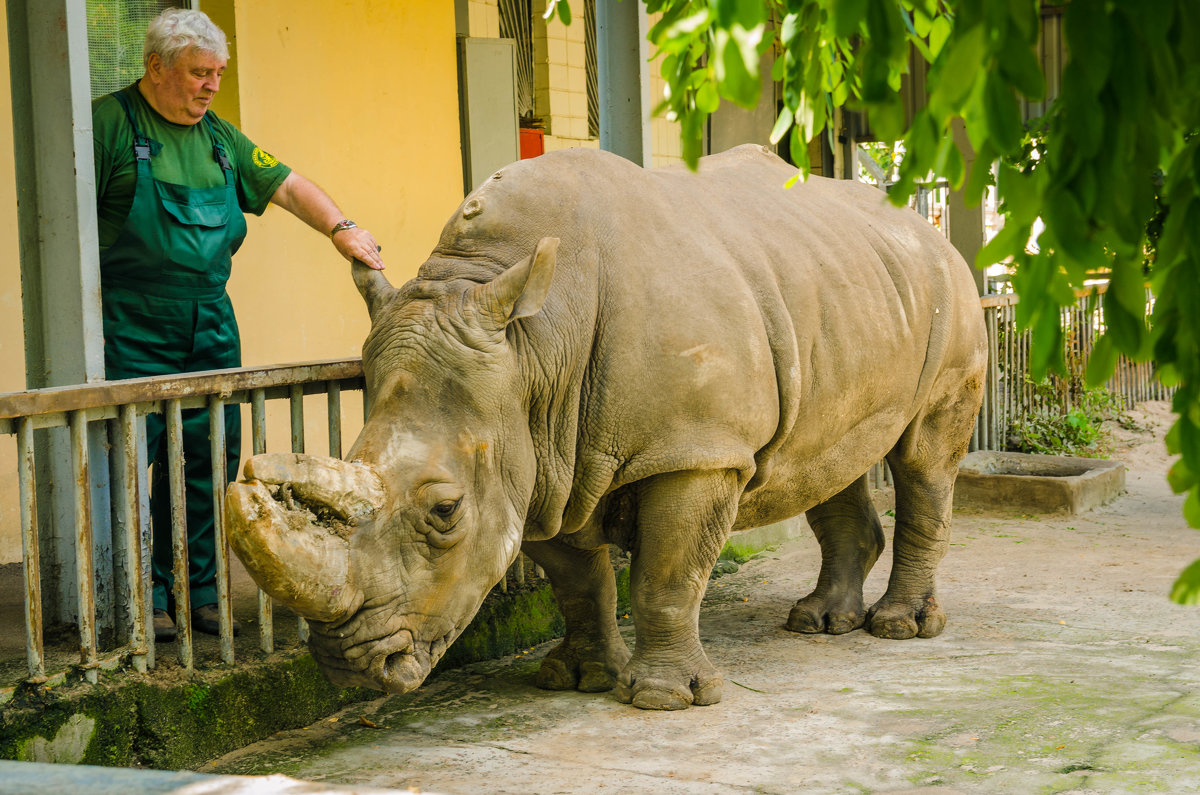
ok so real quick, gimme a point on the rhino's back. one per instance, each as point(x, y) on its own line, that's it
point(730, 320)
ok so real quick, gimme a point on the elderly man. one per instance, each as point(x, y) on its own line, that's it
point(172, 184)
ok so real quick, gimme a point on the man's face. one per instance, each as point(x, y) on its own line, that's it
point(184, 90)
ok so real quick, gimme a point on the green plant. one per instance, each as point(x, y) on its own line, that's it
point(1077, 431)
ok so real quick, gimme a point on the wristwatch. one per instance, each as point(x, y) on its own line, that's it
point(345, 223)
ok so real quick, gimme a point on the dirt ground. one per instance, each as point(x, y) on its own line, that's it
point(1063, 667)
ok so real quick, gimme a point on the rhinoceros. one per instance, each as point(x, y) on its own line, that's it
point(596, 353)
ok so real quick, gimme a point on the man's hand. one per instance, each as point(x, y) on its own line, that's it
point(359, 244)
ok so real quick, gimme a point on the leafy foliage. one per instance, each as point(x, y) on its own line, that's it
point(1119, 152)
point(1078, 431)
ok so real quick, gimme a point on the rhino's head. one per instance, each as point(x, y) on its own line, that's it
point(390, 553)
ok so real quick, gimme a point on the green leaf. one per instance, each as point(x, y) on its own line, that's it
point(735, 82)
point(847, 16)
point(1181, 477)
point(1019, 66)
point(1127, 287)
point(564, 12)
point(949, 163)
point(1191, 507)
point(1020, 192)
point(707, 99)
point(1101, 362)
point(1186, 590)
point(980, 176)
point(1009, 241)
point(783, 124)
point(1189, 439)
point(939, 31)
point(1088, 28)
point(961, 66)
point(1003, 115)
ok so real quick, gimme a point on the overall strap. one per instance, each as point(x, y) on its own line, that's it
point(141, 144)
point(219, 154)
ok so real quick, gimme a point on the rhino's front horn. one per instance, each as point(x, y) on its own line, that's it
point(290, 524)
point(374, 287)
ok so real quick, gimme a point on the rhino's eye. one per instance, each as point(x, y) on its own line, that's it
point(446, 508)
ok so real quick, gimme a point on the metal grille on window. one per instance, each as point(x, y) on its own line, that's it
point(593, 90)
point(116, 33)
point(516, 22)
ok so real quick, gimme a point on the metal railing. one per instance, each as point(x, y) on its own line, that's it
point(121, 406)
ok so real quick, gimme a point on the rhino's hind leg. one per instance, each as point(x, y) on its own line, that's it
point(683, 520)
point(924, 466)
point(851, 538)
point(592, 652)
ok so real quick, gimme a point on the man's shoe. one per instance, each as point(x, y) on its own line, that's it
point(164, 627)
point(205, 619)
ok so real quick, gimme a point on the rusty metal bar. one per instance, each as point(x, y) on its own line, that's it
point(258, 433)
point(84, 573)
point(130, 497)
point(216, 445)
point(179, 538)
point(296, 403)
point(334, 411)
point(30, 555)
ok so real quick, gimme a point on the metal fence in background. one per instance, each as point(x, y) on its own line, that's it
point(1011, 397)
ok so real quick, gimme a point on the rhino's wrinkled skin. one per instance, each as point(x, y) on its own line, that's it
point(595, 353)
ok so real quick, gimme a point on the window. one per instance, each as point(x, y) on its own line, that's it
point(116, 33)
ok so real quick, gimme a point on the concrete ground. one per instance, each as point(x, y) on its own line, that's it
point(1064, 667)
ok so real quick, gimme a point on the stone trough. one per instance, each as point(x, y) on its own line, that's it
point(1029, 483)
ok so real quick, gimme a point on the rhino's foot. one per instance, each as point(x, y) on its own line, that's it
point(901, 620)
point(837, 616)
point(566, 669)
point(660, 690)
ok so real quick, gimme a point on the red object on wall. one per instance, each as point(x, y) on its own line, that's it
point(532, 144)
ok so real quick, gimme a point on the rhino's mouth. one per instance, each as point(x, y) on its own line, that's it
point(395, 664)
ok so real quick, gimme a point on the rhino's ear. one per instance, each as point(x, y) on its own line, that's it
point(520, 290)
point(374, 287)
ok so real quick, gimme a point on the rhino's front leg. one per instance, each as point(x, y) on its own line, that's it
point(848, 529)
point(683, 518)
point(592, 652)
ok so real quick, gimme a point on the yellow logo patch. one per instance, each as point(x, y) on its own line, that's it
point(263, 160)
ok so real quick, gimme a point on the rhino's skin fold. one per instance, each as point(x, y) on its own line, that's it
point(597, 353)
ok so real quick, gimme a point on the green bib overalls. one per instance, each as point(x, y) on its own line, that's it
point(166, 311)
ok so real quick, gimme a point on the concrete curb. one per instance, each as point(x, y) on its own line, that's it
point(129, 719)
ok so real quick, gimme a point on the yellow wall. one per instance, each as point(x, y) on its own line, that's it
point(361, 96)
point(363, 102)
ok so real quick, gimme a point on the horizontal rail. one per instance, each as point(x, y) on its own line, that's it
point(108, 394)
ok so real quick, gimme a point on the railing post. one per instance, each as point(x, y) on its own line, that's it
point(258, 434)
point(29, 551)
point(217, 454)
point(296, 404)
point(333, 397)
point(179, 538)
point(84, 579)
point(128, 510)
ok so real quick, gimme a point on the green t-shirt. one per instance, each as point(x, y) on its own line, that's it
point(182, 154)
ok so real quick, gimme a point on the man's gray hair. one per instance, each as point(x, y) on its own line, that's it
point(175, 30)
